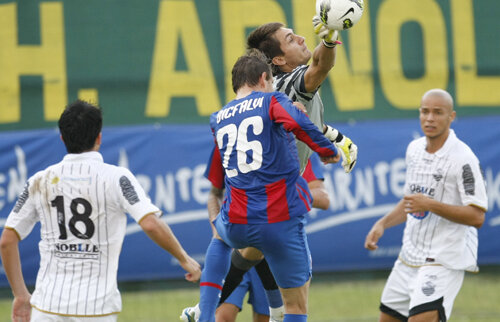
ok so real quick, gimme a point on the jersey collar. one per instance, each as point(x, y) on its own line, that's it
point(92, 155)
point(447, 144)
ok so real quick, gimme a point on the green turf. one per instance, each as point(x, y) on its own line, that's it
point(334, 297)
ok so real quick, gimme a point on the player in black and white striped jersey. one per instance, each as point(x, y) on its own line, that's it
point(81, 203)
point(445, 202)
point(288, 55)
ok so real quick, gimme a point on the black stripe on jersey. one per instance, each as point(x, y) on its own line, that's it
point(289, 87)
point(44, 221)
point(305, 97)
point(62, 288)
point(53, 287)
point(88, 288)
point(98, 239)
point(471, 244)
point(70, 288)
point(279, 80)
point(81, 165)
point(416, 178)
point(445, 163)
point(107, 250)
point(79, 287)
point(288, 80)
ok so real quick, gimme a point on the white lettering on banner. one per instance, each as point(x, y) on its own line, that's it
point(190, 184)
point(165, 192)
point(493, 189)
point(398, 175)
point(380, 170)
point(183, 176)
point(17, 178)
point(351, 194)
point(368, 182)
point(2, 190)
point(201, 185)
point(144, 180)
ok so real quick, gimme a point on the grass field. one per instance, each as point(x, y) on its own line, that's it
point(334, 297)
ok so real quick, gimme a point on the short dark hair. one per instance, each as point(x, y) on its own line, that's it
point(248, 69)
point(264, 40)
point(80, 125)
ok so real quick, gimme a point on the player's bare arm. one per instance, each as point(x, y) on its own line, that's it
point(323, 60)
point(466, 215)
point(331, 159)
point(323, 56)
point(213, 206)
point(161, 234)
point(214, 202)
point(395, 217)
point(319, 193)
point(21, 308)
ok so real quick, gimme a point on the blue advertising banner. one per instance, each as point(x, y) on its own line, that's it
point(169, 161)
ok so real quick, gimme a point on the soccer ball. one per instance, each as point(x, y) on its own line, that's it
point(339, 14)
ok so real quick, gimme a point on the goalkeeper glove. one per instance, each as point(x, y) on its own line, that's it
point(329, 36)
point(348, 150)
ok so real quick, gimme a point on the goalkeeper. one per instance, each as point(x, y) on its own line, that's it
point(289, 55)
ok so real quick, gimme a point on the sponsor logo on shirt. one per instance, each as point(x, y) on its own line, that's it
point(22, 198)
point(419, 215)
point(128, 191)
point(438, 175)
point(468, 180)
point(81, 251)
point(415, 188)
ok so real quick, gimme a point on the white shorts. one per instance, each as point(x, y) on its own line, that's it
point(38, 316)
point(413, 290)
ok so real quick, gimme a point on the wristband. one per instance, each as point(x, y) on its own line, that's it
point(331, 44)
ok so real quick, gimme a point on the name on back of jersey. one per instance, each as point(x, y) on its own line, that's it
point(241, 107)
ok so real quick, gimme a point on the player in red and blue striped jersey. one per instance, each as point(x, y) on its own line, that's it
point(266, 198)
point(241, 270)
point(258, 151)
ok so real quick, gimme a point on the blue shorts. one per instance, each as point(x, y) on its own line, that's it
point(284, 245)
point(256, 294)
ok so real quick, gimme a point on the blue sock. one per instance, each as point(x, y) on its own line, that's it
point(274, 298)
point(217, 260)
point(295, 318)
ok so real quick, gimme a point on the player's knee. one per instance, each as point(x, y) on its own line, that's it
point(242, 263)
point(227, 313)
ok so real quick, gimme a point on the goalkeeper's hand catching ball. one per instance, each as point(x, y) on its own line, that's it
point(330, 37)
point(346, 147)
